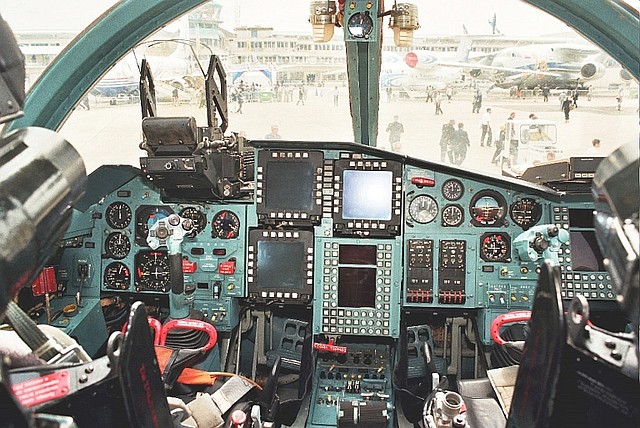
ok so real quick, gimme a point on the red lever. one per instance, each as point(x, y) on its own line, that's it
point(508, 318)
point(154, 324)
point(330, 347)
point(45, 282)
point(189, 324)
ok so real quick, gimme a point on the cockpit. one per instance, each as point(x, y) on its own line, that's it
point(221, 277)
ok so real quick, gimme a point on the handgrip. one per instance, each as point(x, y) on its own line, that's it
point(176, 277)
point(508, 318)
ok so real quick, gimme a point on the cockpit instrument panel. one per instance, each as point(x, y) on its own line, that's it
point(354, 235)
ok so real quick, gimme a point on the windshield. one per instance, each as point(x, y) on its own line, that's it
point(476, 64)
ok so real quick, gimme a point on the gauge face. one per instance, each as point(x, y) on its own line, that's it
point(452, 189)
point(225, 225)
point(423, 209)
point(117, 245)
point(147, 216)
point(360, 25)
point(152, 271)
point(525, 212)
point(117, 276)
point(118, 215)
point(488, 208)
point(198, 218)
point(495, 247)
point(452, 215)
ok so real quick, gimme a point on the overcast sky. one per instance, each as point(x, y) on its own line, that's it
point(514, 17)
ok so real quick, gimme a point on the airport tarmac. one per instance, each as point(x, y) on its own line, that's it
point(108, 134)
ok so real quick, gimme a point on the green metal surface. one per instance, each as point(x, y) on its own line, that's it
point(363, 71)
point(363, 68)
point(92, 54)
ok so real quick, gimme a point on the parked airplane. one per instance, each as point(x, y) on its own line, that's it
point(556, 65)
point(402, 71)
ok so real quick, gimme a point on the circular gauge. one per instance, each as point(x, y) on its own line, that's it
point(423, 209)
point(198, 218)
point(117, 245)
point(146, 216)
point(225, 225)
point(360, 25)
point(152, 271)
point(452, 189)
point(495, 247)
point(452, 215)
point(117, 276)
point(525, 212)
point(488, 208)
point(118, 215)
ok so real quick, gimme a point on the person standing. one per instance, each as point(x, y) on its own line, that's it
point(485, 124)
point(438, 102)
point(545, 93)
point(447, 140)
point(499, 145)
point(461, 144)
point(300, 96)
point(175, 96)
point(477, 102)
point(567, 106)
point(429, 93)
point(240, 100)
point(395, 129)
point(575, 96)
point(619, 99)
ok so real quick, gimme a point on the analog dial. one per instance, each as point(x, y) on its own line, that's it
point(452, 215)
point(147, 216)
point(118, 215)
point(198, 218)
point(117, 276)
point(360, 25)
point(452, 189)
point(423, 209)
point(152, 271)
point(495, 247)
point(525, 212)
point(488, 208)
point(225, 225)
point(117, 245)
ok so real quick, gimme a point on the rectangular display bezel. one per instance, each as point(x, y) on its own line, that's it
point(345, 224)
point(301, 215)
point(258, 292)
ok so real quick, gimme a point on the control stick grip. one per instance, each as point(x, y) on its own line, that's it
point(176, 277)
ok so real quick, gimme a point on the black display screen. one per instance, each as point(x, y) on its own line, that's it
point(280, 265)
point(289, 186)
point(367, 195)
point(356, 287)
point(357, 254)
point(581, 217)
point(585, 253)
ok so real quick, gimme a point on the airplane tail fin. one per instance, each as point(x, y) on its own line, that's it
point(464, 47)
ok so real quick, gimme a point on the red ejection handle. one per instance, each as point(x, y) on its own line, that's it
point(508, 318)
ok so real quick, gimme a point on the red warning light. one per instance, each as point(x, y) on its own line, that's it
point(423, 181)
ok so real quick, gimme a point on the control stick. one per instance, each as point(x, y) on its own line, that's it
point(543, 241)
point(170, 232)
